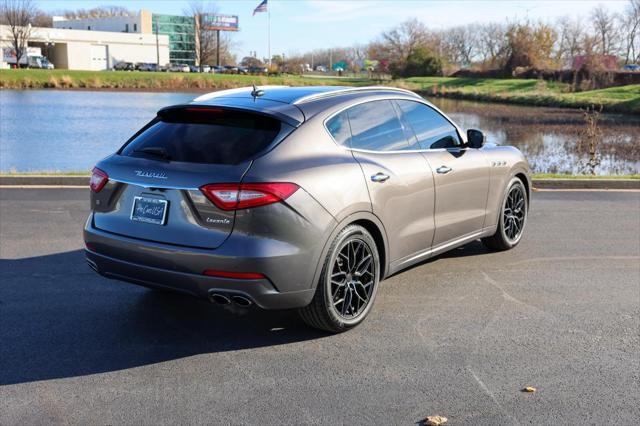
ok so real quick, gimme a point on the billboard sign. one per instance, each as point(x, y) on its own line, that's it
point(215, 22)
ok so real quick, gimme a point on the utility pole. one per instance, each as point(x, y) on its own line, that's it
point(157, 46)
point(218, 48)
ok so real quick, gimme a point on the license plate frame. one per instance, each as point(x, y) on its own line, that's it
point(137, 215)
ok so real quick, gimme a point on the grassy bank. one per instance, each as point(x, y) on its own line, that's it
point(66, 79)
point(625, 99)
point(533, 176)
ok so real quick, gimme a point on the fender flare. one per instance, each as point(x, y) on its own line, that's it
point(353, 217)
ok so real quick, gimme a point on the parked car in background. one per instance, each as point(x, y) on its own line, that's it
point(124, 66)
point(299, 197)
point(147, 67)
point(321, 68)
point(194, 68)
point(179, 68)
point(230, 69)
point(243, 70)
point(206, 68)
point(631, 67)
point(258, 70)
point(217, 69)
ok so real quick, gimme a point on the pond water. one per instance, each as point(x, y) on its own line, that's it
point(52, 130)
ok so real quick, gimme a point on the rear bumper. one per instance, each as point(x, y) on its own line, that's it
point(289, 282)
point(260, 292)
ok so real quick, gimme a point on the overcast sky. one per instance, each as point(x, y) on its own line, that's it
point(301, 25)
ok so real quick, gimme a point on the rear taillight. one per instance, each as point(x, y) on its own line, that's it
point(233, 196)
point(98, 179)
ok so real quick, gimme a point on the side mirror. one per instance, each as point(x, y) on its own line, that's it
point(475, 138)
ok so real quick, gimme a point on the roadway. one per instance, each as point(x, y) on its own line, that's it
point(459, 335)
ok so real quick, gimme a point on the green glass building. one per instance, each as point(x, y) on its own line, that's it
point(182, 36)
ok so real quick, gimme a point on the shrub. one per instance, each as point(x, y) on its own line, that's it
point(421, 62)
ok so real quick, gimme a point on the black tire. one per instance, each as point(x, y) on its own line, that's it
point(502, 240)
point(324, 312)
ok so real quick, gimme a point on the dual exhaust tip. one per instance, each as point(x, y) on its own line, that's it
point(223, 299)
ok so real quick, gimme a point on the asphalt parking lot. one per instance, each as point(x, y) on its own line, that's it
point(459, 335)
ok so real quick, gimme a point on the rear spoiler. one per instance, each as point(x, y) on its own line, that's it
point(289, 114)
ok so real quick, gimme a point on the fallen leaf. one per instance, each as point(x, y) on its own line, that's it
point(529, 389)
point(435, 420)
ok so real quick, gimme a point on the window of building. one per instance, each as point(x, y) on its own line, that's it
point(88, 27)
point(126, 28)
point(135, 28)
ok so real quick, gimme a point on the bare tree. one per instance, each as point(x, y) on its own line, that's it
point(97, 12)
point(570, 39)
point(604, 24)
point(493, 44)
point(18, 15)
point(401, 41)
point(630, 23)
point(462, 43)
point(207, 47)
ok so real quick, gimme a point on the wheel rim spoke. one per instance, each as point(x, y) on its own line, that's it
point(514, 213)
point(352, 278)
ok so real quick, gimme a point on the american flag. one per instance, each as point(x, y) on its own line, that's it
point(262, 7)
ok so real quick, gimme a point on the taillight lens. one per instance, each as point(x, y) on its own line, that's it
point(98, 179)
point(230, 196)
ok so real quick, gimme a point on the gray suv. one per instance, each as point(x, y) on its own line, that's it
point(301, 198)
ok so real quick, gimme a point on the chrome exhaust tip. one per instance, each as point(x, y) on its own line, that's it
point(241, 301)
point(219, 299)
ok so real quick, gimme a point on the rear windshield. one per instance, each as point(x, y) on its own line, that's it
point(204, 135)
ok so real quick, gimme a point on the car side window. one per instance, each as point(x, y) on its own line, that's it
point(338, 126)
point(375, 126)
point(431, 129)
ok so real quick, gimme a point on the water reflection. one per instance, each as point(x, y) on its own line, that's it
point(71, 130)
point(551, 138)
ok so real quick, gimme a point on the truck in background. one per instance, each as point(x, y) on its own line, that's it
point(33, 58)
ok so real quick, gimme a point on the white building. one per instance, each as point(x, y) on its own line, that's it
point(93, 50)
point(138, 23)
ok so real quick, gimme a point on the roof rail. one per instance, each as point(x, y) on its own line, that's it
point(350, 90)
point(238, 90)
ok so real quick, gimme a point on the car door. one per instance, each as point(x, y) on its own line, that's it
point(461, 174)
point(398, 177)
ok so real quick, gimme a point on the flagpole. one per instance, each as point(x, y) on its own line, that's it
point(269, 33)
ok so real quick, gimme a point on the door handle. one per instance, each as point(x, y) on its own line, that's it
point(379, 177)
point(443, 170)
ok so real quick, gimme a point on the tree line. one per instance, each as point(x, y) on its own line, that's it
point(412, 48)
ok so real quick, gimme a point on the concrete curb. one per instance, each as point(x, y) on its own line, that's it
point(537, 183)
point(44, 180)
point(586, 183)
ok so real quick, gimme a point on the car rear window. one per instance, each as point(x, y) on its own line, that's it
point(204, 135)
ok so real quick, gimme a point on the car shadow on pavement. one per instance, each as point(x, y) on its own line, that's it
point(59, 319)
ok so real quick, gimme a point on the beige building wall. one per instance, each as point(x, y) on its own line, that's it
point(82, 50)
point(146, 24)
